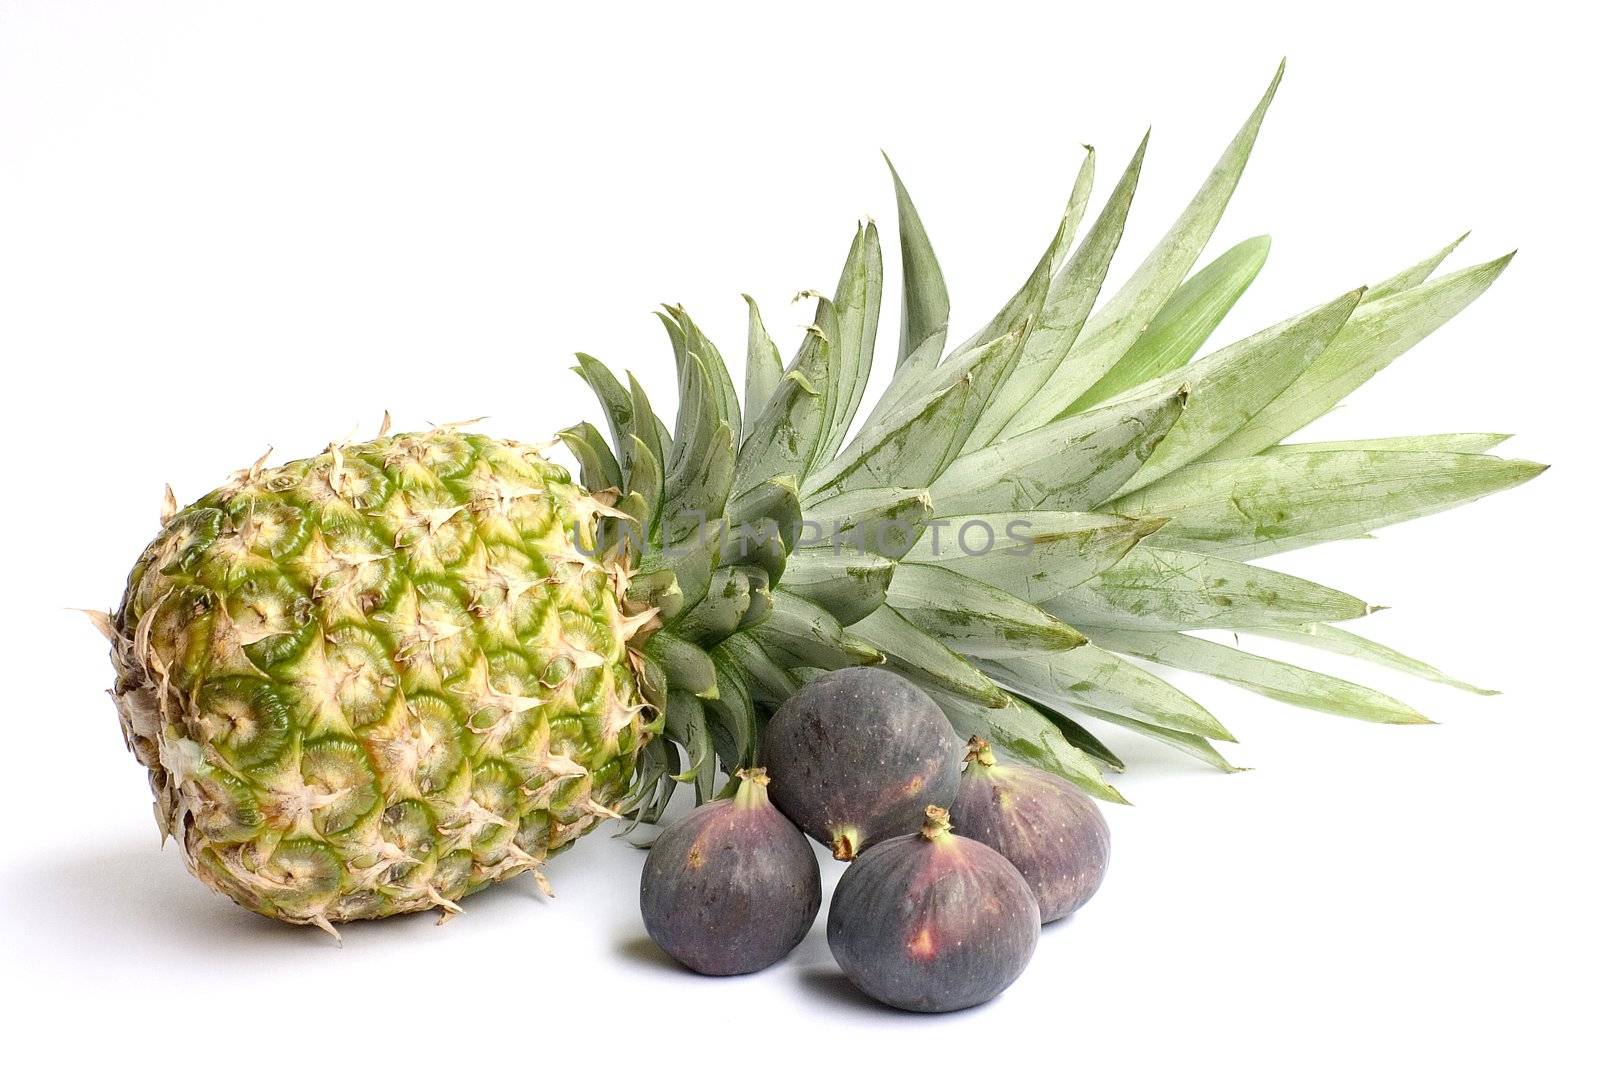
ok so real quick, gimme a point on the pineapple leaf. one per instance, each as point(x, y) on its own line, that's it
point(850, 585)
point(924, 659)
point(975, 619)
point(1162, 589)
point(597, 464)
point(1043, 553)
point(1079, 737)
point(732, 714)
point(856, 304)
point(764, 522)
point(763, 369)
point(721, 611)
point(1094, 678)
point(1476, 443)
point(700, 493)
point(1333, 639)
point(893, 447)
point(686, 726)
point(785, 436)
point(764, 679)
point(643, 467)
point(886, 521)
point(1069, 465)
point(700, 433)
point(1413, 275)
point(1269, 677)
point(1067, 305)
point(1026, 735)
point(1111, 332)
point(696, 343)
point(1183, 323)
point(1227, 387)
point(1245, 508)
point(1377, 334)
point(1191, 745)
point(800, 633)
point(925, 318)
point(614, 402)
point(1026, 305)
point(688, 666)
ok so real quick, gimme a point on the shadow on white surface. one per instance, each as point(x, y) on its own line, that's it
point(643, 952)
point(128, 901)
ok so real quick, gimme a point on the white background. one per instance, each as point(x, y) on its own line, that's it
point(227, 226)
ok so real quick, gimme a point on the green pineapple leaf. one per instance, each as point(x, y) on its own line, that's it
point(973, 618)
point(1070, 465)
point(885, 520)
point(1036, 555)
point(1077, 735)
point(1334, 639)
point(1155, 588)
point(732, 714)
point(1438, 442)
point(596, 463)
point(800, 633)
point(1114, 329)
point(893, 447)
point(849, 584)
point(785, 436)
point(1245, 508)
point(1377, 334)
point(1067, 305)
point(688, 340)
point(925, 316)
point(856, 304)
point(924, 659)
point(1226, 387)
point(1191, 745)
point(1269, 677)
point(686, 727)
point(1183, 323)
point(763, 369)
point(1094, 678)
point(1026, 735)
point(1413, 275)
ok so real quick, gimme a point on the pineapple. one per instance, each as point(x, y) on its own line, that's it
point(377, 680)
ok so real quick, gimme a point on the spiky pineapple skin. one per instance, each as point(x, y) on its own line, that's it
point(379, 679)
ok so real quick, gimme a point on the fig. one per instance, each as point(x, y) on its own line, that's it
point(733, 886)
point(1048, 828)
point(856, 756)
point(932, 921)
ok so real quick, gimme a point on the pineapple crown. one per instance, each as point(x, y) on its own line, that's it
point(1134, 482)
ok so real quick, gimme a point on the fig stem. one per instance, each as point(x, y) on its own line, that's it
point(846, 844)
point(752, 789)
point(979, 752)
point(937, 825)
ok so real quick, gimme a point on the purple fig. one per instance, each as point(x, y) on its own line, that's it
point(857, 754)
point(932, 921)
point(733, 886)
point(1048, 828)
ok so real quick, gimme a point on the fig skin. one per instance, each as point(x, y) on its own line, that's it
point(932, 921)
point(732, 887)
point(856, 756)
point(1050, 830)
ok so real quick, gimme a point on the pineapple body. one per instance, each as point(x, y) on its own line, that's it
point(380, 679)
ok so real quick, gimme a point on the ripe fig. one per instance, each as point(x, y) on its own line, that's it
point(733, 886)
point(932, 921)
point(1048, 828)
point(856, 756)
